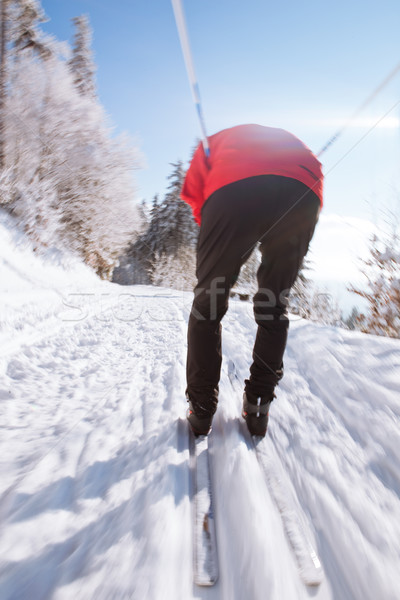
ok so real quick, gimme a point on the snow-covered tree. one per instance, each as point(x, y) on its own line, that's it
point(137, 263)
point(172, 236)
point(65, 178)
point(246, 285)
point(81, 63)
point(353, 320)
point(149, 242)
point(25, 53)
point(143, 216)
point(19, 33)
point(165, 253)
point(302, 292)
point(3, 76)
point(323, 308)
point(176, 272)
point(382, 272)
point(176, 227)
point(26, 15)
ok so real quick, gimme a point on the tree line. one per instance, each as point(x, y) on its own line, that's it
point(164, 253)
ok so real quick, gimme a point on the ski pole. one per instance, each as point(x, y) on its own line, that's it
point(184, 39)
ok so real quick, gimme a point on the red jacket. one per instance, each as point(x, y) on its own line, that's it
point(246, 151)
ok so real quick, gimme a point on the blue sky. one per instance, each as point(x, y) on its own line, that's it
point(304, 66)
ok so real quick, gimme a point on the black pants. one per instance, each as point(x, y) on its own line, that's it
point(278, 212)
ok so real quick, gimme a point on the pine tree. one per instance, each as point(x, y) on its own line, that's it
point(165, 253)
point(176, 226)
point(302, 292)
point(137, 263)
point(173, 239)
point(150, 241)
point(81, 64)
point(143, 216)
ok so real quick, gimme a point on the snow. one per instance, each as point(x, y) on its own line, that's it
point(94, 455)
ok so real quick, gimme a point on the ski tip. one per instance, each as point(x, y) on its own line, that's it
point(206, 582)
point(312, 579)
point(313, 574)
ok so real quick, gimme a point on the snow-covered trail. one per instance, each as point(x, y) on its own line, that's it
point(91, 425)
point(335, 427)
point(94, 459)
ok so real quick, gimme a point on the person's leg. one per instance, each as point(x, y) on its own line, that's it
point(283, 247)
point(226, 238)
point(280, 212)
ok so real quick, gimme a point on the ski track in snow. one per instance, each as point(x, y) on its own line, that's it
point(94, 457)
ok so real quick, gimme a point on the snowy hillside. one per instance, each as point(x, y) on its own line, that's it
point(94, 457)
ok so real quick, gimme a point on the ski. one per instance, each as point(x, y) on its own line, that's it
point(295, 522)
point(205, 557)
point(293, 518)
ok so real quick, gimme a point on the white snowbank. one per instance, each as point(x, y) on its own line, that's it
point(36, 288)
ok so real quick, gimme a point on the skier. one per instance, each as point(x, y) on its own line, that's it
point(257, 185)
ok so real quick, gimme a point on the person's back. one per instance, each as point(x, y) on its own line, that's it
point(248, 151)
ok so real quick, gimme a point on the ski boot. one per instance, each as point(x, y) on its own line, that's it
point(200, 416)
point(256, 412)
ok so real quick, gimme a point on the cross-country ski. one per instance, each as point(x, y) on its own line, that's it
point(205, 555)
point(294, 521)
